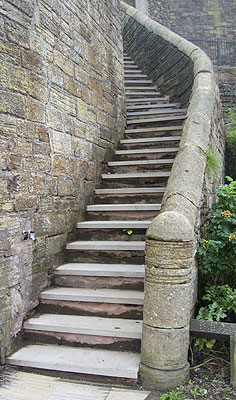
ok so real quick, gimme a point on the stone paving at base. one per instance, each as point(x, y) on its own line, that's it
point(19, 385)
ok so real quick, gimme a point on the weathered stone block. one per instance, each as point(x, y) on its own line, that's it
point(37, 87)
point(66, 187)
point(71, 86)
point(35, 110)
point(165, 348)
point(49, 224)
point(12, 103)
point(166, 305)
point(63, 101)
point(64, 63)
point(63, 166)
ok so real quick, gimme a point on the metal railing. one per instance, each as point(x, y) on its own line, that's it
point(221, 52)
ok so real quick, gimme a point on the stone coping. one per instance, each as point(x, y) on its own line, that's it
point(182, 199)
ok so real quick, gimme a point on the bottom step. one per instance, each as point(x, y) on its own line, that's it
point(78, 360)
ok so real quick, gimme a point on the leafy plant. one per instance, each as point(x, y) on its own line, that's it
point(231, 142)
point(217, 249)
point(128, 231)
point(217, 257)
point(177, 395)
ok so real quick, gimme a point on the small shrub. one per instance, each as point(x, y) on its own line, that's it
point(217, 257)
point(231, 143)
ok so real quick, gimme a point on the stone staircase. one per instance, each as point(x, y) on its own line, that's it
point(90, 322)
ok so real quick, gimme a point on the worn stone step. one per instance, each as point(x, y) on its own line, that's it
point(83, 325)
point(147, 100)
point(137, 82)
point(103, 270)
point(161, 130)
point(100, 276)
point(132, 67)
point(77, 360)
point(153, 106)
point(133, 191)
point(134, 75)
point(147, 151)
point(129, 62)
point(144, 163)
point(156, 112)
point(113, 225)
point(140, 92)
point(152, 120)
point(94, 295)
point(137, 175)
point(123, 207)
point(152, 140)
point(103, 245)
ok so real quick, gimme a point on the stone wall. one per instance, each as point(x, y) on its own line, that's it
point(202, 19)
point(183, 71)
point(61, 113)
point(226, 78)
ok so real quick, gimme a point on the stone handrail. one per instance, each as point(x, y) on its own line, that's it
point(185, 72)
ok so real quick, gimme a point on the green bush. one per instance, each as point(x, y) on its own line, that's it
point(217, 257)
point(231, 143)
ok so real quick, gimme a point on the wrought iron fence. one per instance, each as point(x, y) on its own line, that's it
point(221, 52)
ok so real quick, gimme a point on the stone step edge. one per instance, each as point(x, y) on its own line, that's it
point(113, 224)
point(84, 325)
point(161, 161)
point(101, 270)
point(155, 129)
point(147, 151)
point(124, 207)
point(156, 112)
point(151, 140)
point(130, 190)
point(104, 245)
point(112, 296)
point(76, 360)
point(153, 106)
point(138, 175)
point(151, 120)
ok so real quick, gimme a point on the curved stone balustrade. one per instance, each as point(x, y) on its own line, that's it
point(183, 71)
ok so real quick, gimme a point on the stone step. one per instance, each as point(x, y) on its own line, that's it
point(156, 112)
point(139, 92)
point(103, 270)
point(83, 325)
point(154, 140)
point(138, 82)
point(129, 62)
point(100, 276)
point(134, 75)
point(154, 129)
point(132, 67)
point(137, 175)
point(124, 164)
point(123, 207)
point(152, 120)
point(153, 106)
point(147, 151)
point(103, 245)
point(148, 100)
point(113, 225)
point(133, 191)
point(114, 296)
point(77, 360)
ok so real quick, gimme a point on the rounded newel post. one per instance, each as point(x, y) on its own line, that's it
point(167, 301)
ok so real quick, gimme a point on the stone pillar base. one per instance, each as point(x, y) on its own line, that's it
point(155, 379)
